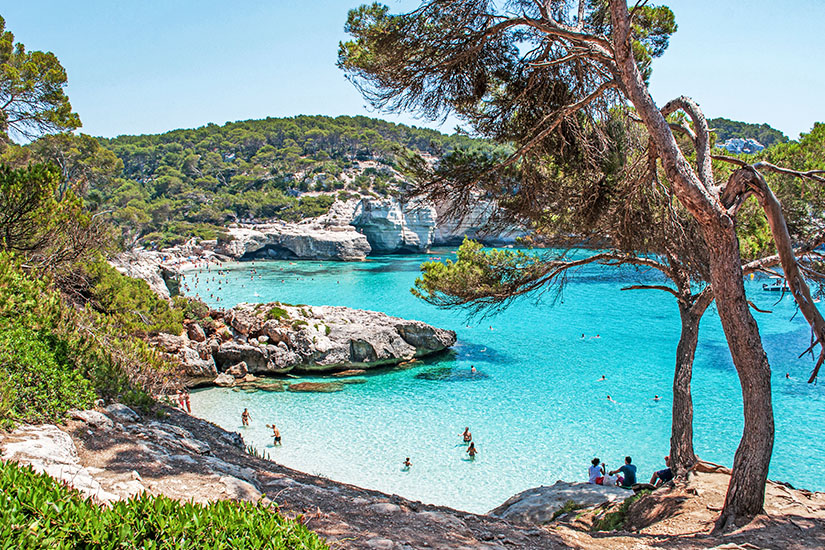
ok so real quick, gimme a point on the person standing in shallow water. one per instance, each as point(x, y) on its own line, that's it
point(245, 417)
point(468, 437)
point(471, 450)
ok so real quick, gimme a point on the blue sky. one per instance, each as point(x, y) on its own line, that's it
point(149, 66)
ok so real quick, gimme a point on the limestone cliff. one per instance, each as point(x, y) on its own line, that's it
point(295, 241)
point(394, 226)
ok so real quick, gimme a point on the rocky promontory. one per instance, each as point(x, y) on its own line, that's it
point(295, 241)
point(271, 339)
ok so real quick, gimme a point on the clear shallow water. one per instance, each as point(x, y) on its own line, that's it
point(536, 408)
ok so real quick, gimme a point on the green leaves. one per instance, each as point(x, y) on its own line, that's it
point(31, 91)
point(37, 512)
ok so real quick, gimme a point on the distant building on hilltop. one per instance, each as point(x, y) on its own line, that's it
point(739, 145)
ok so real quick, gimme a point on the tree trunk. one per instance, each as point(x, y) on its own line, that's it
point(746, 491)
point(682, 457)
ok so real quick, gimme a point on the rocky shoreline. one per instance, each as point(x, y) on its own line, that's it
point(113, 453)
point(251, 340)
point(350, 231)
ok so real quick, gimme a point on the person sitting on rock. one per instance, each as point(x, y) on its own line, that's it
point(662, 476)
point(596, 472)
point(628, 477)
point(468, 437)
point(245, 417)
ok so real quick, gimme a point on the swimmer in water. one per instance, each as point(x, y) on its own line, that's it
point(407, 463)
point(610, 399)
point(276, 434)
point(471, 450)
point(472, 369)
point(468, 437)
point(602, 379)
point(657, 398)
point(788, 375)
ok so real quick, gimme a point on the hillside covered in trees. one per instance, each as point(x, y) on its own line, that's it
point(190, 182)
point(726, 129)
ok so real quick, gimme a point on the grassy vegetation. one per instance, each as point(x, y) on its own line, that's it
point(569, 506)
point(55, 355)
point(37, 512)
point(276, 313)
point(616, 520)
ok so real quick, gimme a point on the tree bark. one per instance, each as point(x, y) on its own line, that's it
point(682, 455)
point(746, 491)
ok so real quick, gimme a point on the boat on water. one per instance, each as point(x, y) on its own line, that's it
point(778, 285)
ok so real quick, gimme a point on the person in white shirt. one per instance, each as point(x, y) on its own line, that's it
point(595, 471)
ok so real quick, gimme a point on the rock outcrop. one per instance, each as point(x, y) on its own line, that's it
point(394, 226)
point(538, 505)
point(276, 338)
point(306, 240)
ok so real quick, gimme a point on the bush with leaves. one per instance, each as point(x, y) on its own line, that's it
point(37, 512)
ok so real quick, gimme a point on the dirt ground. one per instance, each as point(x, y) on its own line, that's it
point(201, 461)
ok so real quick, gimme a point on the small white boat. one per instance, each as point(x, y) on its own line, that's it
point(778, 285)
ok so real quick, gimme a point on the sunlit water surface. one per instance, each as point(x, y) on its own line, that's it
point(536, 407)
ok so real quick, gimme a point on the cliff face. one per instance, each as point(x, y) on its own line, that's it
point(392, 226)
point(295, 241)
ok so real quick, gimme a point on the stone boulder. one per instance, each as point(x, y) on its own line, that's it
point(195, 332)
point(224, 380)
point(238, 371)
point(322, 387)
point(122, 413)
point(49, 450)
point(194, 363)
point(538, 505)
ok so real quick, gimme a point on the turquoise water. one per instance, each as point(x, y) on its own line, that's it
point(536, 407)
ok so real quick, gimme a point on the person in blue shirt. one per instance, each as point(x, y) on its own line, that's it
point(628, 471)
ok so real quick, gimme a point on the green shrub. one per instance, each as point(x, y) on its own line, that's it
point(54, 356)
point(327, 329)
point(298, 324)
point(39, 374)
point(615, 520)
point(276, 313)
point(131, 302)
point(569, 506)
point(37, 512)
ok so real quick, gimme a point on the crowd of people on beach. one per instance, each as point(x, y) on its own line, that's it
point(625, 476)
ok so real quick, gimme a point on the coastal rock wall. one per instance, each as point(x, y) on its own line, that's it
point(276, 339)
point(295, 241)
point(394, 226)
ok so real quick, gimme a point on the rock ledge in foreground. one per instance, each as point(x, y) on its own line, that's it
point(537, 505)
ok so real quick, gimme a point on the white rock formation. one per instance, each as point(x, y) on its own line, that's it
point(538, 505)
point(296, 241)
point(393, 226)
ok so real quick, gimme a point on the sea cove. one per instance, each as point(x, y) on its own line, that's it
point(536, 408)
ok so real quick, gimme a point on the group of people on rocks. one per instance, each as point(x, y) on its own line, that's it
point(625, 476)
